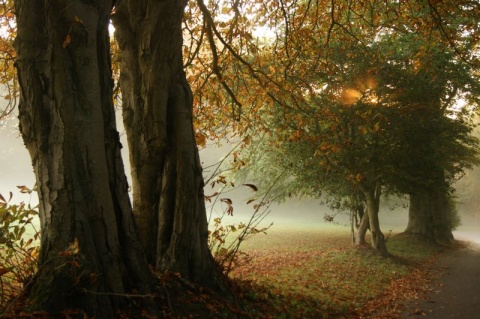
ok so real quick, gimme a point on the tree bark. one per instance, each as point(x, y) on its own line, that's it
point(372, 197)
point(157, 102)
point(432, 214)
point(429, 216)
point(90, 254)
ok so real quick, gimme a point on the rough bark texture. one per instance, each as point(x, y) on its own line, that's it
point(372, 196)
point(90, 254)
point(429, 216)
point(157, 106)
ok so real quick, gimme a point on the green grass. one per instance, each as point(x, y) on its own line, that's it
point(314, 271)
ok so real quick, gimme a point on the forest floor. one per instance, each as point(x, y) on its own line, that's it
point(313, 271)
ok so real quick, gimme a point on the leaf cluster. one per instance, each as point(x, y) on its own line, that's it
point(371, 100)
point(7, 58)
point(19, 244)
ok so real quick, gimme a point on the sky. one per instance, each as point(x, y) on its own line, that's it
point(15, 164)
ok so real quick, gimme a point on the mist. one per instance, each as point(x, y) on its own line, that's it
point(16, 169)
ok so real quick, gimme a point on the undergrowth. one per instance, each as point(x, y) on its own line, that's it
point(18, 248)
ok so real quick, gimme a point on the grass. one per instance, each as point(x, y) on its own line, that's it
point(314, 272)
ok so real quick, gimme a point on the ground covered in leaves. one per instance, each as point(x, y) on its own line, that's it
point(307, 272)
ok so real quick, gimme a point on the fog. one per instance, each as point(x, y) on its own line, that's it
point(15, 164)
point(15, 169)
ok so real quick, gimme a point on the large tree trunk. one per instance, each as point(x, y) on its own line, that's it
point(429, 216)
point(432, 214)
point(372, 197)
point(157, 103)
point(90, 254)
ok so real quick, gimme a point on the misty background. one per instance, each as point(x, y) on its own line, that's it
point(16, 170)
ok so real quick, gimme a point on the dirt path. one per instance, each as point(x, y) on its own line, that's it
point(457, 293)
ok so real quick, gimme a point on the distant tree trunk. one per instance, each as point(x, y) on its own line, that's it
point(362, 230)
point(420, 216)
point(372, 197)
point(430, 217)
point(157, 104)
point(90, 254)
point(432, 213)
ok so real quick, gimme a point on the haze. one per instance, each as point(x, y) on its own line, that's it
point(15, 169)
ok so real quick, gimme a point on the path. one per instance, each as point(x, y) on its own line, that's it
point(457, 295)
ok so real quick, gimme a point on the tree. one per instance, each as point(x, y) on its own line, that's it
point(439, 145)
point(77, 119)
point(157, 102)
point(7, 58)
point(90, 255)
point(342, 150)
point(399, 62)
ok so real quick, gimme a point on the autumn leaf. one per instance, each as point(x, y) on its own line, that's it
point(77, 19)
point(24, 189)
point(209, 197)
point(228, 201)
point(67, 41)
point(3, 271)
point(253, 187)
point(201, 139)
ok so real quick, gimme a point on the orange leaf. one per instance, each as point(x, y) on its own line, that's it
point(67, 41)
point(24, 189)
point(226, 200)
point(201, 139)
point(3, 271)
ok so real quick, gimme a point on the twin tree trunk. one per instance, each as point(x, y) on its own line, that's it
point(90, 254)
point(157, 102)
point(359, 236)
point(372, 197)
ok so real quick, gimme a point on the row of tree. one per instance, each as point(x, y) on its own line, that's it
point(374, 108)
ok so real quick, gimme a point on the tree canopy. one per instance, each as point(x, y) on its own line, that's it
point(382, 113)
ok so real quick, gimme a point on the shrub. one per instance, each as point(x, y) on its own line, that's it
point(19, 245)
point(225, 240)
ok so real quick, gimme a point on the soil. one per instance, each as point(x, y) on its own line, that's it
point(456, 293)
